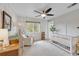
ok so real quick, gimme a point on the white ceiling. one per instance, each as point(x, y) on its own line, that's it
point(27, 9)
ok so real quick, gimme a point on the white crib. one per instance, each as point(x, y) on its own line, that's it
point(65, 42)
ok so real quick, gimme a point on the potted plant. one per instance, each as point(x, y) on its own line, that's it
point(53, 28)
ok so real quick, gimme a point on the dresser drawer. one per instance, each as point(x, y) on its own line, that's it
point(10, 53)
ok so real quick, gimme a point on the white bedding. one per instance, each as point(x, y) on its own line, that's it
point(44, 48)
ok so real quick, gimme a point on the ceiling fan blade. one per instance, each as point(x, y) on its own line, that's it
point(48, 10)
point(43, 11)
point(37, 11)
point(50, 14)
point(73, 4)
point(37, 15)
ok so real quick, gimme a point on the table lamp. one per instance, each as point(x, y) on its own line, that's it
point(4, 37)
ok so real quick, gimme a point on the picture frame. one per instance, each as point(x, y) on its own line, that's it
point(7, 19)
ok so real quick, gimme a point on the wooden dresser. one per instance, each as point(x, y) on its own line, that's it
point(77, 48)
point(42, 35)
point(11, 50)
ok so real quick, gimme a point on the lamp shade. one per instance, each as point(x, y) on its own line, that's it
point(4, 36)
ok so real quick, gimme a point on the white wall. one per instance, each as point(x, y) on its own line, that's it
point(12, 14)
point(69, 20)
point(44, 27)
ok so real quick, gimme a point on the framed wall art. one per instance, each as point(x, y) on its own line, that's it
point(7, 19)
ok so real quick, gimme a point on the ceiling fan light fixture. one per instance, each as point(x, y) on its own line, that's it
point(43, 15)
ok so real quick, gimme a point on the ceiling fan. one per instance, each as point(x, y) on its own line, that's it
point(44, 13)
point(71, 5)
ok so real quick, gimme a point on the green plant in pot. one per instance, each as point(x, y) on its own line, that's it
point(53, 28)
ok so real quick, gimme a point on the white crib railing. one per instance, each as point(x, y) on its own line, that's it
point(70, 39)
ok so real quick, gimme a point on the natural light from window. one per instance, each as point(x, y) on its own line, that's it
point(33, 26)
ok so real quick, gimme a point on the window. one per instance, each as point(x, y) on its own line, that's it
point(33, 26)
